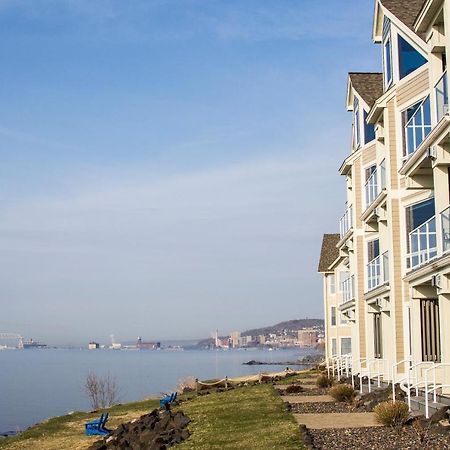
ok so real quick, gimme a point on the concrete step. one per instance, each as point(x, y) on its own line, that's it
point(418, 404)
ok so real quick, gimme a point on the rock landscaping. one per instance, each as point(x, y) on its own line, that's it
point(158, 430)
point(320, 407)
point(375, 438)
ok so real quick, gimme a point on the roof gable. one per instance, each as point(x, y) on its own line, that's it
point(406, 11)
point(368, 85)
point(329, 252)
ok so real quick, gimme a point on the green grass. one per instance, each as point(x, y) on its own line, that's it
point(69, 430)
point(247, 418)
point(309, 374)
point(250, 418)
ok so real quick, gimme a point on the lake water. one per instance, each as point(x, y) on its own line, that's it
point(37, 384)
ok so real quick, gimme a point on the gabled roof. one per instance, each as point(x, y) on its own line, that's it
point(368, 85)
point(329, 252)
point(405, 10)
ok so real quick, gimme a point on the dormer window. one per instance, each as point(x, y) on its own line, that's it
point(369, 130)
point(409, 59)
point(387, 53)
point(356, 123)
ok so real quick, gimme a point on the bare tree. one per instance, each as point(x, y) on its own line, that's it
point(102, 392)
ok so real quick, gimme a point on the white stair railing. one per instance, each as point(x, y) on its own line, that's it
point(394, 373)
point(432, 387)
point(418, 382)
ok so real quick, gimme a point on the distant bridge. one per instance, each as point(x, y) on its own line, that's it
point(12, 336)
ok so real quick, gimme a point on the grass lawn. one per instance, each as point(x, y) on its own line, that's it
point(246, 418)
point(250, 417)
point(313, 374)
point(67, 432)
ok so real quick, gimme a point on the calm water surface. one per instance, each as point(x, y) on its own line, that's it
point(37, 384)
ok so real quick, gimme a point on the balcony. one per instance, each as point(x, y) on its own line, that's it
point(378, 271)
point(375, 184)
point(418, 126)
point(348, 289)
point(441, 93)
point(445, 226)
point(422, 244)
point(371, 188)
point(346, 222)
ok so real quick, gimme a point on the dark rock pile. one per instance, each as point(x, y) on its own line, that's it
point(158, 430)
point(367, 402)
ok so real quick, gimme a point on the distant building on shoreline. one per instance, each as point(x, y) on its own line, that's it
point(93, 345)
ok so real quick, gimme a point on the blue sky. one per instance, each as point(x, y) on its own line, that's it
point(170, 158)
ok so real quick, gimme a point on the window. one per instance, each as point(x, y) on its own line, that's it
point(343, 320)
point(333, 347)
point(430, 330)
point(333, 316)
point(418, 214)
point(346, 345)
point(356, 123)
point(387, 53)
point(373, 249)
point(369, 171)
point(369, 130)
point(377, 337)
point(332, 283)
point(409, 59)
point(417, 121)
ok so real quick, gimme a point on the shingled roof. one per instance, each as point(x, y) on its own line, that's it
point(368, 85)
point(329, 252)
point(405, 10)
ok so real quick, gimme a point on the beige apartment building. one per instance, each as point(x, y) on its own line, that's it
point(394, 240)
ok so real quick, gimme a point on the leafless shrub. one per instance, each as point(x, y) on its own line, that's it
point(102, 392)
point(323, 381)
point(187, 384)
point(342, 393)
point(392, 414)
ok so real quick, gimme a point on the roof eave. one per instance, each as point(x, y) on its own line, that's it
point(426, 15)
point(377, 27)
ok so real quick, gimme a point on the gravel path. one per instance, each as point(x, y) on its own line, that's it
point(320, 407)
point(375, 439)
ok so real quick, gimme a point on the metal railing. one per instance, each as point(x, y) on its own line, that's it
point(422, 244)
point(441, 93)
point(378, 271)
point(418, 126)
point(346, 222)
point(375, 368)
point(394, 373)
point(413, 381)
point(433, 390)
point(371, 188)
point(348, 289)
point(445, 228)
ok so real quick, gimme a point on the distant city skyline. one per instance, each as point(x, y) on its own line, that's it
point(158, 172)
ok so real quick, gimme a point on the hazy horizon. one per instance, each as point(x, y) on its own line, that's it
point(168, 168)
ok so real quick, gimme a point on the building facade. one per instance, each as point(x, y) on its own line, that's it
point(394, 240)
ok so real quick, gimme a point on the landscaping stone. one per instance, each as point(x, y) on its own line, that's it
point(376, 438)
point(320, 407)
point(158, 430)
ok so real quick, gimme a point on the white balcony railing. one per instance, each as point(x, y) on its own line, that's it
point(346, 222)
point(378, 271)
point(375, 183)
point(418, 126)
point(371, 188)
point(348, 289)
point(441, 92)
point(445, 227)
point(422, 244)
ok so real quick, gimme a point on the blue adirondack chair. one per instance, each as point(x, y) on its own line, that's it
point(168, 399)
point(97, 427)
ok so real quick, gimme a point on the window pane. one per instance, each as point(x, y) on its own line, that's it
point(409, 58)
point(369, 130)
